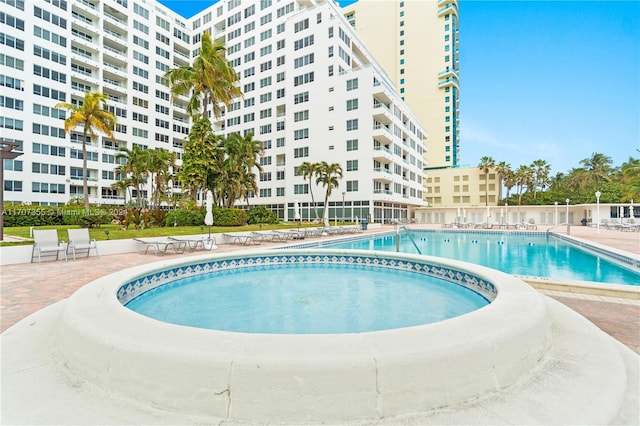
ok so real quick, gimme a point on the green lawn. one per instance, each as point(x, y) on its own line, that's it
point(115, 233)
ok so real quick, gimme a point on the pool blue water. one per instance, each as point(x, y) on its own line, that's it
point(307, 299)
point(514, 253)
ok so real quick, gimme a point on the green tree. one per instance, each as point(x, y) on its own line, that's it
point(486, 164)
point(159, 165)
point(93, 118)
point(201, 161)
point(241, 159)
point(309, 170)
point(523, 178)
point(540, 170)
point(210, 79)
point(134, 169)
point(327, 175)
point(597, 168)
point(502, 169)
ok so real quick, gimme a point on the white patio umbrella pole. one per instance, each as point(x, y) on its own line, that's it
point(208, 218)
point(296, 212)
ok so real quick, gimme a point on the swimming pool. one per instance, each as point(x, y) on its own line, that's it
point(307, 298)
point(518, 253)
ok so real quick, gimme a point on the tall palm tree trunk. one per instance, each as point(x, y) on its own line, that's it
point(85, 183)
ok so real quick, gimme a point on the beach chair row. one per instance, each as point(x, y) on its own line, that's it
point(45, 243)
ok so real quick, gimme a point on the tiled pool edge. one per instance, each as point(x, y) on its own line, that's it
point(134, 288)
point(618, 257)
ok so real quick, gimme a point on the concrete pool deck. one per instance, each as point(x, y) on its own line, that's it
point(61, 279)
point(23, 292)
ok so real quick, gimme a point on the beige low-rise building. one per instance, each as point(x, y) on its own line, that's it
point(462, 186)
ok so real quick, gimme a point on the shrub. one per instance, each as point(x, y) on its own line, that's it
point(261, 214)
point(229, 217)
point(185, 217)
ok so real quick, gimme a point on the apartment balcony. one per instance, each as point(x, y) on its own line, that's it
point(442, 3)
point(86, 8)
point(85, 60)
point(85, 78)
point(382, 134)
point(85, 27)
point(381, 94)
point(119, 56)
point(117, 40)
point(382, 154)
point(382, 191)
point(380, 174)
point(449, 8)
point(83, 43)
point(114, 71)
point(382, 114)
point(448, 73)
point(112, 15)
point(449, 82)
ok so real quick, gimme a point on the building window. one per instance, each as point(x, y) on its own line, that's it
point(352, 145)
point(352, 124)
point(352, 186)
point(301, 189)
point(352, 165)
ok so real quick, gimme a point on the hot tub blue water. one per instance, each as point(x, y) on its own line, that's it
point(524, 254)
point(307, 299)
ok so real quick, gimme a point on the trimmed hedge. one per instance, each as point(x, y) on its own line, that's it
point(195, 217)
point(51, 216)
point(261, 214)
point(185, 217)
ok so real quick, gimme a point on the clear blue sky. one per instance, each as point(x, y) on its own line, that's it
point(547, 80)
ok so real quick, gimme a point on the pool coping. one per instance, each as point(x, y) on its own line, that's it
point(355, 376)
point(619, 257)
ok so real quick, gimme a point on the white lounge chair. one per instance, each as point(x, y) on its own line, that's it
point(46, 241)
point(159, 247)
point(79, 240)
point(205, 242)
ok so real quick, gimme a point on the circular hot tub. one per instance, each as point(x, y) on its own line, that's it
point(302, 378)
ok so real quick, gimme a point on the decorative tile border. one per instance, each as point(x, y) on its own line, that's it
point(134, 288)
point(620, 259)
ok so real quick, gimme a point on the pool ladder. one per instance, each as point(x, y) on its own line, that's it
point(408, 233)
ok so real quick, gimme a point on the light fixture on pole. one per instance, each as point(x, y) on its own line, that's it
point(567, 217)
point(343, 194)
point(555, 215)
point(598, 194)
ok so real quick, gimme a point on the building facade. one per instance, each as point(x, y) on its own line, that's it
point(312, 92)
point(416, 42)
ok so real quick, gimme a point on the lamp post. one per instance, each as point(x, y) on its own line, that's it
point(6, 153)
point(343, 194)
point(506, 214)
point(555, 216)
point(598, 194)
point(568, 228)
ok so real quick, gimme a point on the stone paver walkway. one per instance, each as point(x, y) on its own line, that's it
point(27, 288)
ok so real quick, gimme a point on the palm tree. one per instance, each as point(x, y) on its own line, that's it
point(134, 169)
point(502, 169)
point(523, 180)
point(241, 159)
point(160, 164)
point(597, 168)
point(121, 186)
point(308, 170)
point(327, 175)
point(93, 118)
point(541, 172)
point(211, 79)
point(486, 164)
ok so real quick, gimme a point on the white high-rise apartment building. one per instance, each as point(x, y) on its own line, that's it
point(312, 92)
